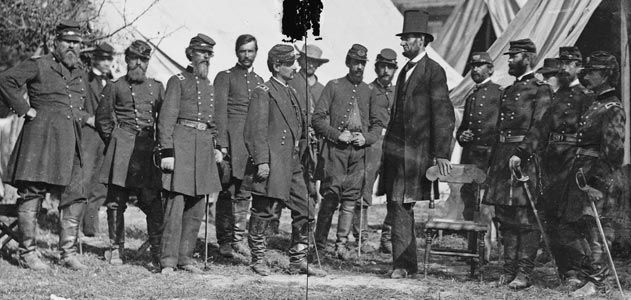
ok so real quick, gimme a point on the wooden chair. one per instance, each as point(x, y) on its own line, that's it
point(8, 230)
point(475, 231)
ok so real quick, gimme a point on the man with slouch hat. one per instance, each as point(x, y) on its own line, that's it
point(189, 155)
point(47, 157)
point(274, 127)
point(126, 119)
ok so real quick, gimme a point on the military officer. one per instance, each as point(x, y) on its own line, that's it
point(600, 141)
point(234, 89)
point(523, 104)
point(478, 130)
point(126, 120)
point(93, 147)
point(549, 73)
point(274, 126)
point(47, 156)
point(186, 133)
point(383, 89)
point(557, 138)
point(349, 120)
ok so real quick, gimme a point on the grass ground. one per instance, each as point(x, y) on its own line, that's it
point(232, 279)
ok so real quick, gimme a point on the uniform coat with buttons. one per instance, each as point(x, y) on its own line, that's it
point(189, 97)
point(373, 153)
point(126, 118)
point(522, 106)
point(46, 146)
point(556, 137)
point(601, 129)
point(233, 91)
point(274, 127)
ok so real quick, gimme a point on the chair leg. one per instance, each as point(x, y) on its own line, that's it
point(428, 250)
point(8, 231)
point(473, 237)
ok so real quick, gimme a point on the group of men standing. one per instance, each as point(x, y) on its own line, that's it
point(264, 143)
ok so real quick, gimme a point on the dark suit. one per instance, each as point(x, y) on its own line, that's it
point(274, 126)
point(420, 130)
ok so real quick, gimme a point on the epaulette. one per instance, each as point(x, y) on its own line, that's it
point(180, 76)
point(612, 104)
point(263, 87)
point(227, 71)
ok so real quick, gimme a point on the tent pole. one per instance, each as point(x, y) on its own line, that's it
point(625, 76)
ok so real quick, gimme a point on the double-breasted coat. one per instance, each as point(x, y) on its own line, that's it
point(522, 106)
point(274, 126)
point(234, 89)
point(47, 144)
point(420, 129)
point(126, 119)
point(189, 98)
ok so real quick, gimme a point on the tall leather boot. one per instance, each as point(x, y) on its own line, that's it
point(344, 224)
point(298, 252)
point(27, 230)
point(224, 220)
point(386, 239)
point(528, 244)
point(323, 224)
point(70, 220)
point(257, 242)
point(155, 224)
point(509, 241)
point(274, 223)
point(240, 209)
point(116, 228)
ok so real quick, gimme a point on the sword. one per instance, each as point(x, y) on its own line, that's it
point(519, 176)
point(206, 233)
point(582, 185)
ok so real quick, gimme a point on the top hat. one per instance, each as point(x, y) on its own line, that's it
point(312, 52)
point(415, 21)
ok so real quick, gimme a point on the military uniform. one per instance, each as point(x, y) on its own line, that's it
point(47, 154)
point(344, 105)
point(480, 117)
point(187, 131)
point(126, 119)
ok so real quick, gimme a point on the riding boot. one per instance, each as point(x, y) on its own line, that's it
point(257, 242)
point(27, 230)
point(116, 228)
point(323, 224)
point(68, 235)
point(240, 209)
point(155, 224)
point(224, 220)
point(298, 252)
point(510, 243)
point(526, 254)
point(344, 223)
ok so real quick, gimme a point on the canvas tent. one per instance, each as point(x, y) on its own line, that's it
point(170, 24)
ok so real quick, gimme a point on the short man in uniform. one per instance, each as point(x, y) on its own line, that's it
point(477, 131)
point(126, 119)
point(274, 126)
point(93, 146)
point(47, 156)
point(382, 88)
point(186, 133)
point(419, 135)
point(234, 88)
point(349, 120)
point(522, 106)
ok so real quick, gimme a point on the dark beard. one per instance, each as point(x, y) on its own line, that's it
point(137, 74)
point(385, 79)
point(517, 69)
point(201, 70)
point(564, 79)
point(70, 59)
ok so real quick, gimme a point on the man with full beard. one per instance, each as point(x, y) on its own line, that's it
point(47, 156)
point(522, 106)
point(126, 119)
point(382, 88)
point(349, 120)
point(186, 133)
point(419, 135)
point(478, 131)
point(234, 88)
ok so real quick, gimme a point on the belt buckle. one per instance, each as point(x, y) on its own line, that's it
point(502, 138)
point(200, 126)
point(557, 137)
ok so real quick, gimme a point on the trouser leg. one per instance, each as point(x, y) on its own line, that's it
point(31, 195)
point(171, 236)
point(224, 216)
point(117, 198)
point(404, 254)
point(191, 222)
point(72, 202)
point(261, 214)
point(344, 222)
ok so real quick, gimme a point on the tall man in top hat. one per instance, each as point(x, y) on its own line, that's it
point(274, 126)
point(93, 147)
point(47, 156)
point(349, 120)
point(383, 89)
point(186, 133)
point(234, 90)
point(522, 106)
point(126, 119)
point(558, 131)
point(419, 135)
point(478, 131)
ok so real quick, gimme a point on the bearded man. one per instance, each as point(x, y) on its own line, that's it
point(47, 156)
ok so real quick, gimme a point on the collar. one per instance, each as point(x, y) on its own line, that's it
point(418, 57)
point(484, 82)
point(381, 86)
point(605, 94)
point(249, 70)
point(97, 72)
point(526, 76)
point(575, 82)
point(279, 82)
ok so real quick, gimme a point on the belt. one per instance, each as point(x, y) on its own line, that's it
point(193, 124)
point(562, 138)
point(511, 138)
point(136, 130)
point(588, 152)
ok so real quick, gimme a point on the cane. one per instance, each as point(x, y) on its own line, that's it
point(206, 233)
point(359, 240)
point(582, 185)
point(518, 175)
